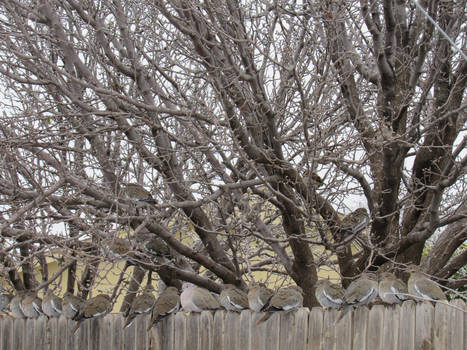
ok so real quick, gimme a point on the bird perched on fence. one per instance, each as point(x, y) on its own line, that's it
point(360, 292)
point(422, 287)
point(167, 303)
point(141, 305)
point(329, 295)
point(15, 305)
point(391, 289)
point(5, 299)
point(233, 299)
point(71, 305)
point(51, 304)
point(138, 193)
point(286, 299)
point(31, 305)
point(355, 221)
point(258, 296)
point(95, 307)
point(197, 299)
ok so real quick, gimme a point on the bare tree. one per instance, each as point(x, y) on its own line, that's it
point(226, 111)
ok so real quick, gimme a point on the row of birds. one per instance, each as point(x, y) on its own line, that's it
point(362, 291)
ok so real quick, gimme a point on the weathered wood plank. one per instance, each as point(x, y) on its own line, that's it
point(192, 332)
point(315, 329)
point(424, 314)
point(206, 322)
point(286, 331)
point(329, 328)
point(141, 334)
point(258, 332)
point(456, 324)
point(440, 329)
point(232, 333)
point(272, 334)
point(245, 330)
point(407, 326)
point(29, 333)
point(94, 336)
point(344, 333)
point(105, 332)
point(390, 331)
point(375, 328)
point(18, 334)
point(360, 328)
point(40, 335)
point(7, 331)
point(116, 331)
point(180, 329)
point(129, 336)
point(218, 331)
point(162, 335)
point(301, 329)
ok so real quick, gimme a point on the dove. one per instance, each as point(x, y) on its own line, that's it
point(233, 299)
point(5, 299)
point(137, 192)
point(391, 289)
point(286, 299)
point(167, 303)
point(258, 296)
point(141, 305)
point(71, 305)
point(156, 246)
point(362, 291)
point(15, 305)
point(196, 299)
point(94, 307)
point(51, 305)
point(329, 295)
point(422, 287)
point(119, 247)
point(31, 305)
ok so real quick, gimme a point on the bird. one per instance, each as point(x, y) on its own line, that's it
point(233, 299)
point(258, 296)
point(95, 307)
point(167, 303)
point(119, 247)
point(31, 305)
point(137, 192)
point(329, 295)
point(355, 221)
point(141, 305)
point(51, 305)
point(5, 299)
point(315, 179)
point(422, 287)
point(197, 299)
point(156, 246)
point(391, 289)
point(71, 305)
point(362, 291)
point(15, 305)
point(286, 299)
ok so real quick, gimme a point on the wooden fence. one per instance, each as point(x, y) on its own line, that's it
point(410, 326)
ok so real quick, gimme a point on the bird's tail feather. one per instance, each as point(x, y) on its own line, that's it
point(343, 313)
point(75, 328)
point(266, 317)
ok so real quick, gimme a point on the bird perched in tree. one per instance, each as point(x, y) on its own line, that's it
point(355, 221)
point(422, 287)
point(258, 296)
point(15, 305)
point(197, 299)
point(329, 295)
point(95, 307)
point(119, 247)
point(51, 304)
point(360, 292)
point(233, 299)
point(314, 178)
point(31, 305)
point(137, 192)
point(141, 305)
point(71, 305)
point(167, 303)
point(391, 289)
point(286, 299)
point(156, 246)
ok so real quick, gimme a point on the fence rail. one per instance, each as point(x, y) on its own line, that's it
point(407, 327)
